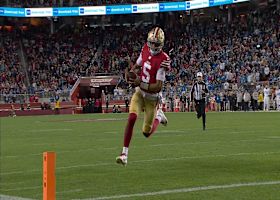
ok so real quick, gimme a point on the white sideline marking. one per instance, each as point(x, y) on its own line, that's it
point(186, 190)
point(5, 197)
point(143, 161)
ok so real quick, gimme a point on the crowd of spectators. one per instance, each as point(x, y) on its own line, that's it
point(230, 100)
point(57, 63)
point(30, 3)
point(12, 76)
point(242, 53)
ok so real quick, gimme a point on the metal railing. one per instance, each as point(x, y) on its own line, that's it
point(47, 96)
point(42, 95)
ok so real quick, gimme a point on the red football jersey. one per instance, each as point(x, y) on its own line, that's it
point(151, 64)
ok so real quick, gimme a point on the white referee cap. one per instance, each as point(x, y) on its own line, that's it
point(199, 74)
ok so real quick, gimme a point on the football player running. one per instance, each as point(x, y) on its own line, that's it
point(152, 64)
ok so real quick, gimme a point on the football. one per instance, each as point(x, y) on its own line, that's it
point(131, 76)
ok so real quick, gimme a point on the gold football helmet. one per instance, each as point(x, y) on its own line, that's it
point(155, 40)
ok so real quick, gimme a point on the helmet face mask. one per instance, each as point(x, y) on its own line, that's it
point(155, 40)
point(156, 44)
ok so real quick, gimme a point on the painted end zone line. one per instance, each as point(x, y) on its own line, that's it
point(186, 190)
point(5, 197)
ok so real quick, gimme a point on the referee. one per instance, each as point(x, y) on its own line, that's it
point(198, 95)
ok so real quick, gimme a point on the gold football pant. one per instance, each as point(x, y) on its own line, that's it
point(149, 106)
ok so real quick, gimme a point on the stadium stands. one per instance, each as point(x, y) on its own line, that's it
point(12, 73)
point(29, 3)
point(231, 56)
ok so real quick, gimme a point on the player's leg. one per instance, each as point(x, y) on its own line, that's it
point(197, 109)
point(136, 105)
point(202, 110)
point(13, 113)
point(268, 104)
point(160, 118)
point(150, 122)
point(152, 118)
point(256, 105)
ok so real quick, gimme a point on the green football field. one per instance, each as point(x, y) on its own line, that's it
point(236, 158)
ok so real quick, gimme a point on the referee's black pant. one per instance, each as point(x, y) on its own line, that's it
point(200, 109)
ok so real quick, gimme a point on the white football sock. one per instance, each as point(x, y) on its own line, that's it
point(125, 151)
point(158, 117)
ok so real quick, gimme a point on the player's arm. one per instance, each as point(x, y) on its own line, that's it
point(206, 89)
point(136, 68)
point(191, 97)
point(191, 93)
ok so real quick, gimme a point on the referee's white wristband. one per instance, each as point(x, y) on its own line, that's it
point(144, 86)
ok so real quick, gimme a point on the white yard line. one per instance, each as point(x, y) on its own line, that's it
point(187, 190)
point(110, 132)
point(144, 161)
point(272, 139)
point(50, 130)
point(211, 142)
point(10, 183)
point(23, 188)
point(6, 197)
point(206, 156)
point(174, 133)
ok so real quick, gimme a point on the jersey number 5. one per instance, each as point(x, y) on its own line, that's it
point(146, 77)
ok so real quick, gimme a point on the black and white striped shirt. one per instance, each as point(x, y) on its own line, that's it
point(198, 91)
